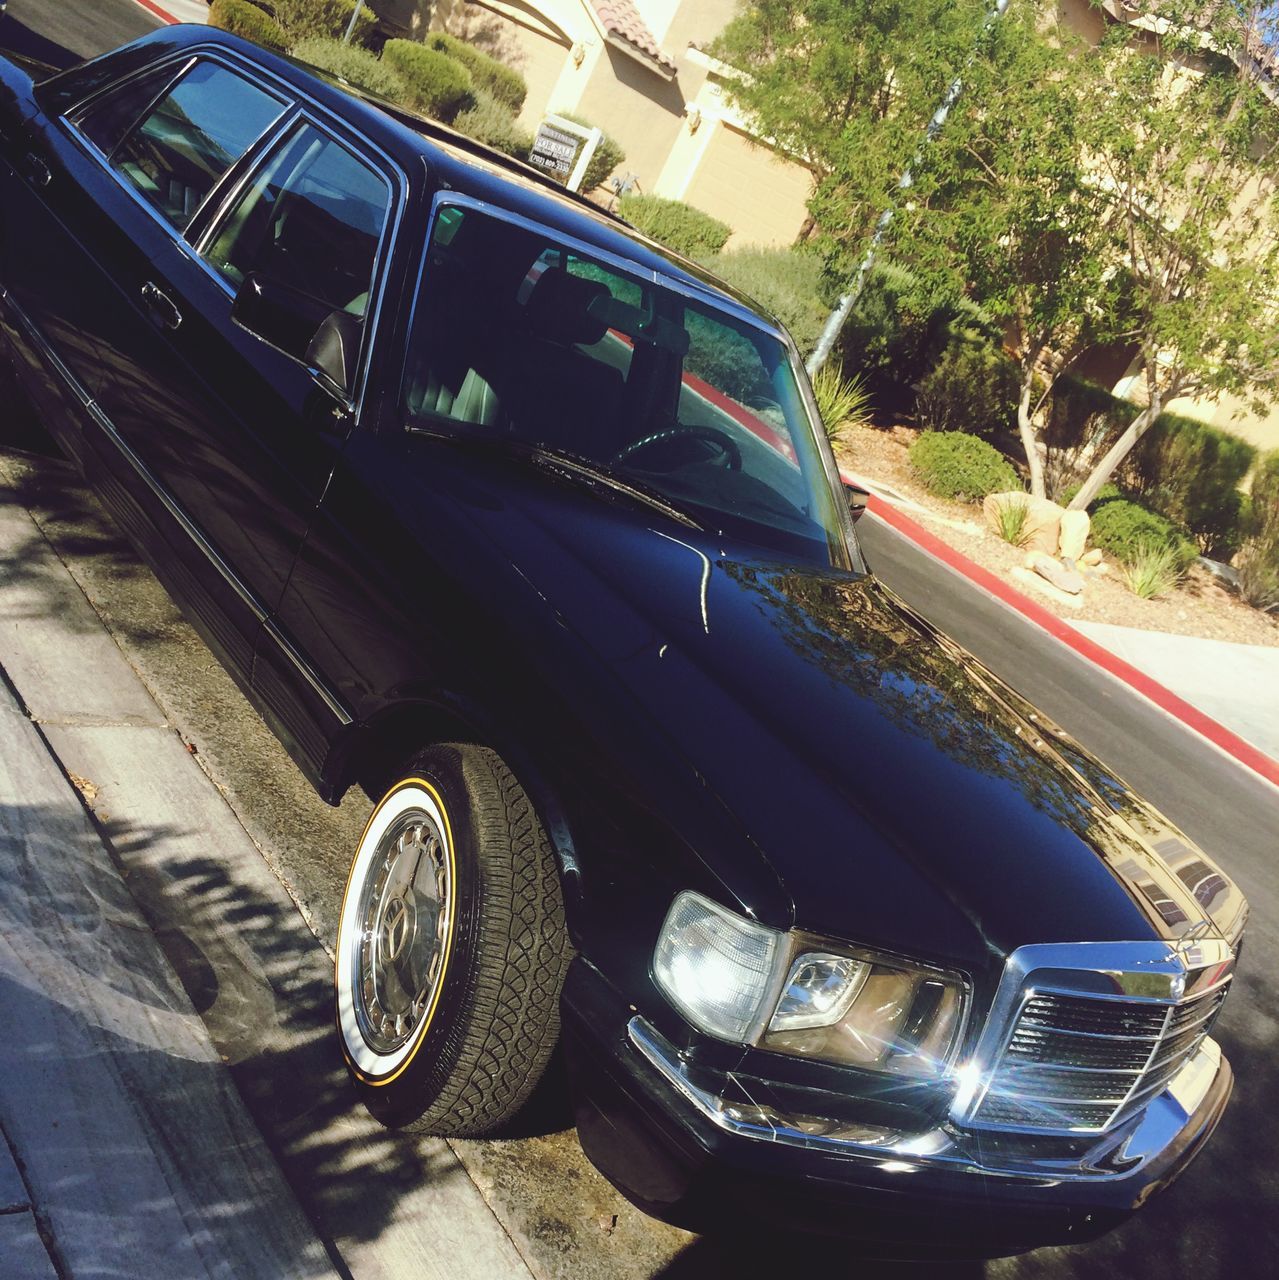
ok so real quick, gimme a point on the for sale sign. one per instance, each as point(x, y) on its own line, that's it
point(563, 149)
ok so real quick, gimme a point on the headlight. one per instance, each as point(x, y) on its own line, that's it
point(795, 994)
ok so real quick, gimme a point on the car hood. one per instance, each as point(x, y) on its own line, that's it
point(903, 795)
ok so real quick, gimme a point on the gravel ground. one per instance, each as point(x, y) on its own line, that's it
point(1199, 607)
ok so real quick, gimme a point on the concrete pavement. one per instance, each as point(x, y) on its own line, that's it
point(1236, 684)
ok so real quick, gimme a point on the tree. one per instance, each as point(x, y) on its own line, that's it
point(1003, 209)
point(1185, 142)
point(847, 86)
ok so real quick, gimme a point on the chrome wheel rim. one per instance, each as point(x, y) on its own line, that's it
point(403, 936)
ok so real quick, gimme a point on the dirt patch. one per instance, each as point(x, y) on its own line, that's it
point(1200, 606)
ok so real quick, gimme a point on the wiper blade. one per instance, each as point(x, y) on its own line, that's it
point(569, 466)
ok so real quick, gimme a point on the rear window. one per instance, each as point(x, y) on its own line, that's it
point(182, 143)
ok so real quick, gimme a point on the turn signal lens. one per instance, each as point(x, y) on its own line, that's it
point(716, 967)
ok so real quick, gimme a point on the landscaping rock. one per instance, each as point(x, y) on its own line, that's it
point(1058, 574)
point(1073, 535)
point(1043, 519)
point(1091, 558)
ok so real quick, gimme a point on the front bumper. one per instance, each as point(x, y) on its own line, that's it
point(680, 1155)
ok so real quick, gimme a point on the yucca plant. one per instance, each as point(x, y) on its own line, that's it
point(1152, 571)
point(840, 400)
point(1012, 516)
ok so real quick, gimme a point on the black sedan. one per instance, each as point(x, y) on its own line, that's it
point(527, 527)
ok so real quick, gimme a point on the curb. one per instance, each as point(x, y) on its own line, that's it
point(156, 11)
point(1164, 698)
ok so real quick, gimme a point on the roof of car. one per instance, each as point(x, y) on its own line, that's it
point(460, 163)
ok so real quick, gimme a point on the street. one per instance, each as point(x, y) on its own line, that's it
point(247, 912)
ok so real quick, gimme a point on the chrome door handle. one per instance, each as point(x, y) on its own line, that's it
point(160, 305)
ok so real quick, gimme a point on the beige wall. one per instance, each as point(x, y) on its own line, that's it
point(759, 194)
point(1233, 415)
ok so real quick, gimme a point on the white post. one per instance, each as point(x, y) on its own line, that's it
point(355, 17)
point(584, 159)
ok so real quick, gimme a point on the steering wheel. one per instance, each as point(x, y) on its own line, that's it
point(721, 440)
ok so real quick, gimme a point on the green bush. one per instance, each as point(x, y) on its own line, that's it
point(487, 73)
point(491, 122)
point(1258, 561)
point(244, 19)
point(786, 282)
point(954, 465)
point(358, 66)
point(434, 83)
point(677, 225)
point(1128, 530)
point(608, 155)
point(1107, 493)
point(840, 400)
point(1191, 472)
point(972, 388)
point(307, 19)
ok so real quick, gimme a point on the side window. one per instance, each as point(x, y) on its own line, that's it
point(107, 121)
point(310, 220)
point(192, 136)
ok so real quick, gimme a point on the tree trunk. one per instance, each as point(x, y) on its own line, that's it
point(1029, 437)
point(1114, 456)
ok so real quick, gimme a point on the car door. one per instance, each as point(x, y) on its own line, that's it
point(161, 145)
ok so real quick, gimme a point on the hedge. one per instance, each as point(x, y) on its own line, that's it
point(786, 282)
point(487, 73)
point(307, 19)
point(1126, 528)
point(677, 225)
point(362, 68)
point(490, 122)
point(433, 82)
point(952, 464)
point(1258, 562)
point(248, 21)
point(608, 155)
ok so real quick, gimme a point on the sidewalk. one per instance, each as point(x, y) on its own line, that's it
point(132, 1153)
point(135, 1101)
point(1236, 684)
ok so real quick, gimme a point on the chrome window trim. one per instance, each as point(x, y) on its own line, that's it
point(108, 428)
point(1154, 973)
point(187, 60)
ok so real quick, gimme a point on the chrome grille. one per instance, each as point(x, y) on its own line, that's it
point(1077, 1064)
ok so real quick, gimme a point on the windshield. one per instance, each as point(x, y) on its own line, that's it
point(518, 338)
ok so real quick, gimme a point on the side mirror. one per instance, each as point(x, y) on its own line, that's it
point(332, 354)
point(285, 318)
point(857, 500)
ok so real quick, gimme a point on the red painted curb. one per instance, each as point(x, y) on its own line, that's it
point(151, 7)
point(1162, 697)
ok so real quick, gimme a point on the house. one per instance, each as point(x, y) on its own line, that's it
point(636, 68)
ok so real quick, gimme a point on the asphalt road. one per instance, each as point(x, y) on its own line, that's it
point(1222, 1219)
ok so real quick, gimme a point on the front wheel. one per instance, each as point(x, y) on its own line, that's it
point(451, 948)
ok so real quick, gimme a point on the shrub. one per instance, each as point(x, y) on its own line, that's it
point(1191, 472)
point(786, 282)
point(362, 68)
point(492, 123)
point(244, 19)
point(1127, 529)
point(1154, 570)
point(677, 225)
point(608, 155)
point(972, 388)
point(1012, 517)
point(487, 74)
point(954, 465)
point(1258, 561)
point(1107, 493)
point(839, 399)
point(433, 82)
point(306, 19)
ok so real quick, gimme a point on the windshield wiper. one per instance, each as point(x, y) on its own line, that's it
point(568, 466)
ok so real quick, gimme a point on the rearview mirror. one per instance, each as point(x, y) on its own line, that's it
point(857, 500)
point(286, 318)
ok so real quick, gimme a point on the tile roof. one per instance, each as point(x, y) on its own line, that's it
point(622, 23)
